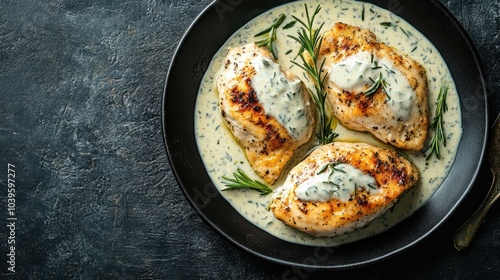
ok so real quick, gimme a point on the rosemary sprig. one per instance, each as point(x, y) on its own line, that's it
point(270, 33)
point(242, 181)
point(380, 82)
point(310, 42)
point(333, 168)
point(437, 125)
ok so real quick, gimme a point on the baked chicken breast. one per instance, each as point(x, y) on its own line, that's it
point(267, 109)
point(373, 87)
point(341, 187)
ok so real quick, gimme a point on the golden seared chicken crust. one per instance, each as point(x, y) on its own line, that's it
point(267, 142)
point(394, 175)
point(405, 127)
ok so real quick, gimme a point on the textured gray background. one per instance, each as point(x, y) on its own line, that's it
point(80, 93)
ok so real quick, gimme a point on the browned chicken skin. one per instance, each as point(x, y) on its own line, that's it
point(393, 175)
point(267, 136)
point(404, 124)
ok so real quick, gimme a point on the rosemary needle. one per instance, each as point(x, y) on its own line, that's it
point(242, 181)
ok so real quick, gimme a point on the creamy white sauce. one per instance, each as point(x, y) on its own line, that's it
point(353, 71)
point(339, 181)
point(279, 96)
point(360, 70)
point(401, 95)
point(222, 155)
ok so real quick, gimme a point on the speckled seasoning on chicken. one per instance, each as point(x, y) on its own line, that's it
point(341, 187)
point(396, 111)
point(266, 108)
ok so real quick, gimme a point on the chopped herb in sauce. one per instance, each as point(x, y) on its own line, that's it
point(380, 82)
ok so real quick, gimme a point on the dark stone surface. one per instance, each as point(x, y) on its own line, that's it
point(80, 87)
